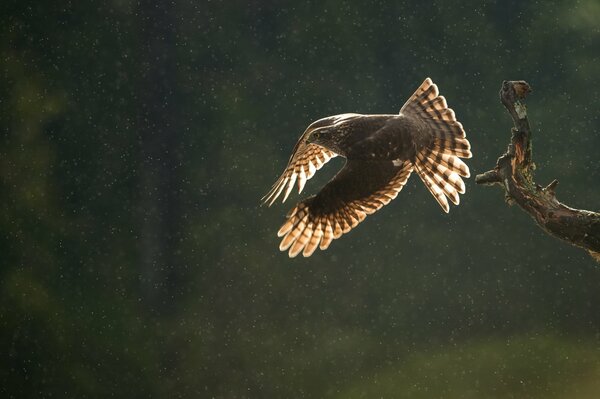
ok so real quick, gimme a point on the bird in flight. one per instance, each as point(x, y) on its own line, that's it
point(381, 152)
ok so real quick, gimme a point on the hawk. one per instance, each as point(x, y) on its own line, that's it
point(381, 152)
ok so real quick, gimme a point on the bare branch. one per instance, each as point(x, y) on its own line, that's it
point(514, 171)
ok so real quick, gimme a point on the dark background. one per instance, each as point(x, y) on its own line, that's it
point(137, 138)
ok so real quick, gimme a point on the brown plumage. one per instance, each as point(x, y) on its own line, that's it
point(381, 153)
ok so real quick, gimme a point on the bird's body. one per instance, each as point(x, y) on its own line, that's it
point(381, 153)
point(382, 137)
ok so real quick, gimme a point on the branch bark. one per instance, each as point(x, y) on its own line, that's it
point(514, 171)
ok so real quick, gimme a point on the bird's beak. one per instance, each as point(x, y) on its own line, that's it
point(308, 137)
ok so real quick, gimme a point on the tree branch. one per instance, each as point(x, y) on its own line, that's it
point(514, 171)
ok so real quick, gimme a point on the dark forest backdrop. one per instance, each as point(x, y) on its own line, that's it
point(137, 138)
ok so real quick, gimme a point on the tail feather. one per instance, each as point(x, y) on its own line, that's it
point(447, 175)
point(452, 151)
point(449, 184)
point(433, 188)
point(452, 143)
point(449, 161)
point(438, 165)
point(454, 146)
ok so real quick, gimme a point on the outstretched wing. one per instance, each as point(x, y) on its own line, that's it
point(306, 159)
point(304, 162)
point(359, 189)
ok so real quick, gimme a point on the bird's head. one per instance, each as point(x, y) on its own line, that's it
point(327, 132)
point(321, 135)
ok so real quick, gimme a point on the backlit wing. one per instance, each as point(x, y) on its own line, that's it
point(304, 162)
point(359, 189)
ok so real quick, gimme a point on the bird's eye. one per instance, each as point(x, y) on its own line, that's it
point(322, 132)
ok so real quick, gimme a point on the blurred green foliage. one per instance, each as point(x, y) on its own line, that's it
point(526, 367)
point(138, 137)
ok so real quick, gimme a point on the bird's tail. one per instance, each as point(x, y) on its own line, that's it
point(439, 165)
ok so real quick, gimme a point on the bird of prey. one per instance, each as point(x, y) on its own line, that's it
point(381, 152)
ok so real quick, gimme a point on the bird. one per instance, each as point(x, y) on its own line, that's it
point(381, 152)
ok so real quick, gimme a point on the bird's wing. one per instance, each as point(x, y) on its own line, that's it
point(306, 159)
point(359, 189)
